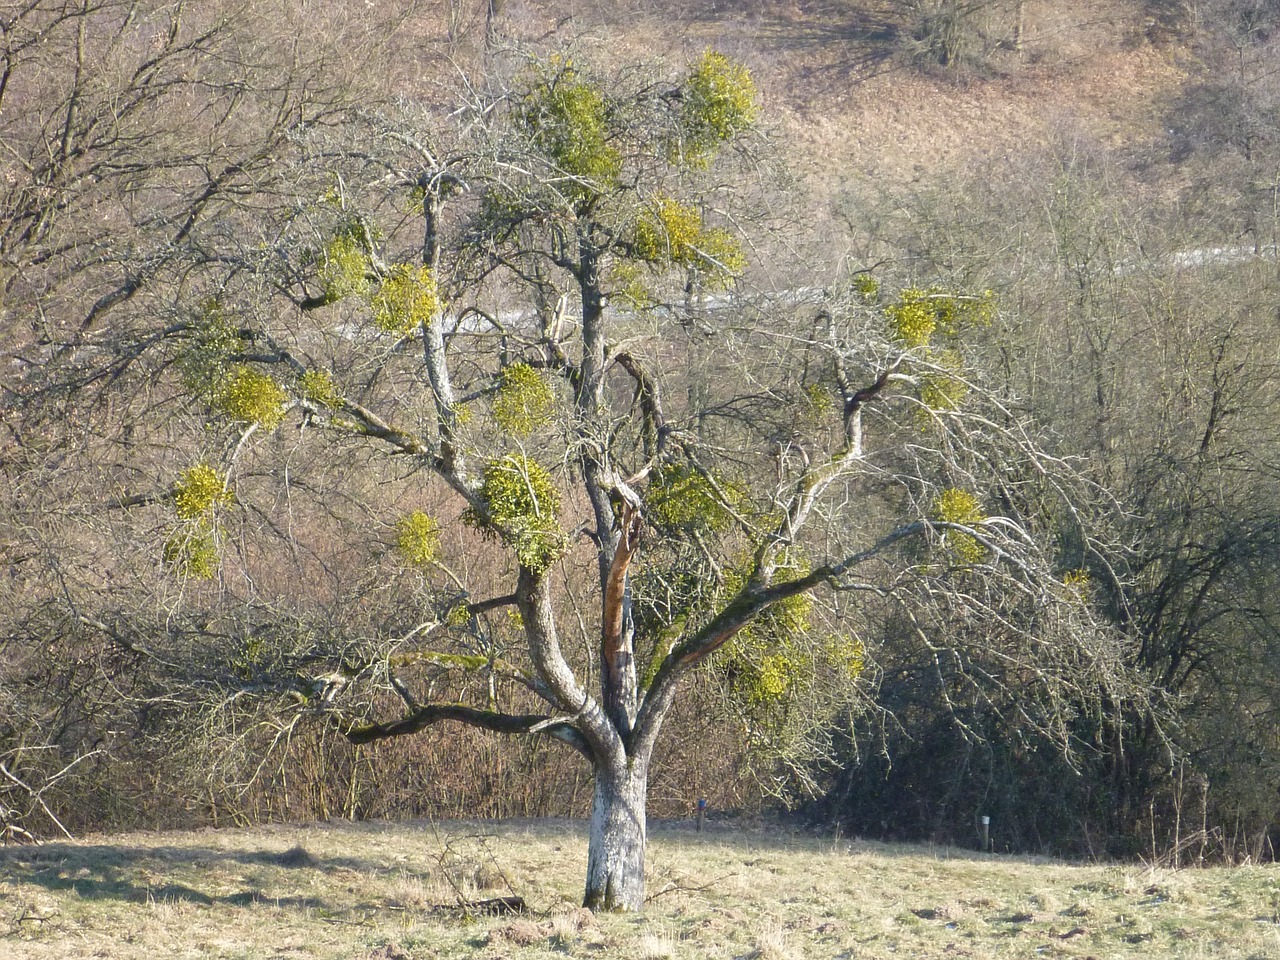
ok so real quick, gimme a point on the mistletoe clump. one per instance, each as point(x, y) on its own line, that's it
point(1077, 579)
point(766, 660)
point(458, 615)
point(568, 118)
point(773, 677)
point(917, 319)
point(762, 676)
point(317, 387)
point(920, 313)
point(913, 319)
point(682, 498)
point(199, 491)
point(787, 618)
point(247, 395)
point(524, 401)
point(192, 548)
point(214, 339)
point(418, 538)
point(673, 233)
point(668, 233)
point(408, 299)
point(522, 507)
point(867, 287)
point(816, 404)
point(344, 270)
point(1077, 583)
point(847, 655)
point(944, 389)
point(957, 506)
point(630, 287)
point(719, 105)
point(238, 391)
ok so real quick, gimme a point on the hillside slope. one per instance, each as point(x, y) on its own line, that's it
point(843, 84)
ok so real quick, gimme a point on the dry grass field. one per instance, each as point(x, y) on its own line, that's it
point(395, 892)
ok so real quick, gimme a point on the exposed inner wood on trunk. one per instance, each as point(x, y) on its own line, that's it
point(616, 654)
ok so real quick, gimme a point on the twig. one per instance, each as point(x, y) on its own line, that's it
point(674, 887)
point(364, 922)
point(35, 795)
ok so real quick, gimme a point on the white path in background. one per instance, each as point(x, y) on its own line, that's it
point(523, 321)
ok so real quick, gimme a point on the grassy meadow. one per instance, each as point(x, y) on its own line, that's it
point(392, 891)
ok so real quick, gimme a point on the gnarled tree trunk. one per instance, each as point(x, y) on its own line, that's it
point(615, 853)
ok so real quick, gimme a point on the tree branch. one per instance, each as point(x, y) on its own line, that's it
point(745, 607)
point(554, 671)
point(559, 728)
point(650, 396)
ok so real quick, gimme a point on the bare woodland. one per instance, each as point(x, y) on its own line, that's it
point(501, 431)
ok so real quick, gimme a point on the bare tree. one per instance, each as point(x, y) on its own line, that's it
point(1143, 342)
point(531, 321)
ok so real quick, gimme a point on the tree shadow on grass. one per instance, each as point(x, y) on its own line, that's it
point(840, 44)
point(854, 44)
point(763, 838)
point(111, 872)
point(144, 874)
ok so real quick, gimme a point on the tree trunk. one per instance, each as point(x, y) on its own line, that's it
point(615, 854)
